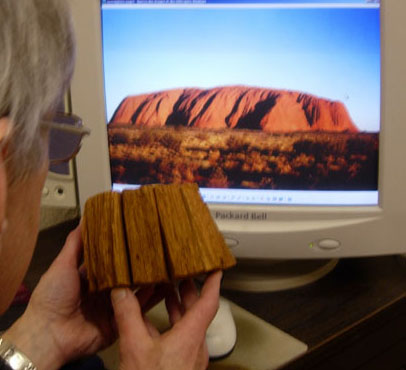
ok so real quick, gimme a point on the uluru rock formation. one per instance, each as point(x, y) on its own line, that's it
point(239, 107)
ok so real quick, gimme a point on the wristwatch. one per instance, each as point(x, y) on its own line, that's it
point(13, 359)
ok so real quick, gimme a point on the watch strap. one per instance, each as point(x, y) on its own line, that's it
point(12, 358)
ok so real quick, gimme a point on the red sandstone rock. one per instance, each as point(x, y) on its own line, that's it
point(238, 107)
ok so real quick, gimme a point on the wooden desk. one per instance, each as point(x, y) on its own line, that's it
point(354, 318)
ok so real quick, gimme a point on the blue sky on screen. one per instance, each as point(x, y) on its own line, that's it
point(331, 53)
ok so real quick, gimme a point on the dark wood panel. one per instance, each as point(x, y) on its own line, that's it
point(362, 342)
point(392, 359)
point(355, 289)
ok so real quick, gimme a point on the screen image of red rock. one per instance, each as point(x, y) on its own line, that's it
point(241, 137)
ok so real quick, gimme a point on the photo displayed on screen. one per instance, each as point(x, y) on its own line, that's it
point(279, 96)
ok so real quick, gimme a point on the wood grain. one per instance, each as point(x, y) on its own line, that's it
point(105, 249)
point(181, 244)
point(215, 254)
point(192, 241)
point(150, 235)
point(147, 256)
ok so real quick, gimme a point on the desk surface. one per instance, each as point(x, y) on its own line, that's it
point(329, 315)
point(354, 289)
point(319, 314)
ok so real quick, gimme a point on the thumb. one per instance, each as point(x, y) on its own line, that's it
point(71, 252)
point(127, 312)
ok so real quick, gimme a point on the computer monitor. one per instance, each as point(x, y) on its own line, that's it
point(288, 114)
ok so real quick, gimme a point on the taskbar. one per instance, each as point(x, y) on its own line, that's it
point(283, 197)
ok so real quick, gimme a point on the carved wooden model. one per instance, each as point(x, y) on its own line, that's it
point(157, 233)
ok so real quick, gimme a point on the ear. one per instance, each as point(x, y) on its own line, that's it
point(4, 129)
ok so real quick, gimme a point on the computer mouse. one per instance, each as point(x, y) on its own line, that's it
point(221, 335)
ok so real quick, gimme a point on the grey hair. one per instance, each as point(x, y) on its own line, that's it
point(36, 65)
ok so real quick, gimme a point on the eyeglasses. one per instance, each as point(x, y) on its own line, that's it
point(65, 136)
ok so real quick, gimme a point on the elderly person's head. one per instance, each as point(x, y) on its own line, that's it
point(36, 64)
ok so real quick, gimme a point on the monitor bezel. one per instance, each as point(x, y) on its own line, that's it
point(285, 231)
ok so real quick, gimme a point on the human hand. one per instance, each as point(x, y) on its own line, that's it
point(62, 322)
point(182, 347)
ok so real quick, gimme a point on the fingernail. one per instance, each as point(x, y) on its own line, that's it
point(118, 294)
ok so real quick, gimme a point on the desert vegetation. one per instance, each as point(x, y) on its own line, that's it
point(244, 158)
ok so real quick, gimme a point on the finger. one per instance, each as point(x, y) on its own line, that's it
point(173, 306)
point(83, 271)
point(203, 357)
point(197, 319)
point(71, 253)
point(188, 293)
point(84, 282)
point(153, 331)
point(129, 319)
point(212, 284)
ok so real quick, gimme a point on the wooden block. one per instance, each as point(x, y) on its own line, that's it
point(105, 249)
point(192, 241)
point(215, 254)
point(177, 232)
point(150, 235)
point(144, 240)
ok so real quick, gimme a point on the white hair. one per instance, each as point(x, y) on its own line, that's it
point(36, 65)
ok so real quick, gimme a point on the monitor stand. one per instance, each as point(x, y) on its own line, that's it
point(274, 275)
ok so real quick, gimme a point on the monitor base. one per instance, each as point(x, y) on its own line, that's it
point(275, 275)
